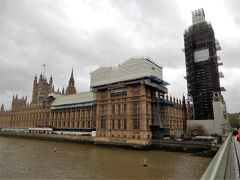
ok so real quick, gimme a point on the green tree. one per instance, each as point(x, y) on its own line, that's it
point(196, 130)
point(234, 120)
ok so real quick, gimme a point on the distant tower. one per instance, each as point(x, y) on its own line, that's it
point(35, 90)
point(2, 107)
point(184, 104)
point(18, 103)
point(50, 82)
point(41, 89)
point(53, 88)
point(201, 65)
point(71, 89)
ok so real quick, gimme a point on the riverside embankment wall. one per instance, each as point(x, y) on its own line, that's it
point(186, 146)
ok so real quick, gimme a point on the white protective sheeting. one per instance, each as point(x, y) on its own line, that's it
point(74, 99)
point(198, 16)
point(218, 46)
point(202, 55)
point(54, 95)
point(134, 68)
point(198, 19)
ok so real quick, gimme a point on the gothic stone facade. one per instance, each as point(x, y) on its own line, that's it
point(130, 102)
point(128, 113)
point(124, 109)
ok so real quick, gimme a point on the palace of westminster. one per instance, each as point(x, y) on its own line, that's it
point(129, 101)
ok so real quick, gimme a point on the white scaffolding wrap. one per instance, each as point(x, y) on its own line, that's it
point(135, 68)
point(79, 99)
point(202, 55)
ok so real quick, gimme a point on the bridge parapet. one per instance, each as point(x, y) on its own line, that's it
point(225, 164)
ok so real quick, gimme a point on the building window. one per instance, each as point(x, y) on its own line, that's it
point(113, 125)
point(69, 115)
point(135, 90)
point(135, 107)
point(83, 113)
point(113, 109)
point(119, 124)
point(119, 109)
point(125, 108)
point(103, 109)
point(103, 123)
point(73, 115)
point(147, 108)
point(125, 123)
point(135, 123)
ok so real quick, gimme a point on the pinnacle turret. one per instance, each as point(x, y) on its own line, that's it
point(35, 79)
point(71, 89)
point(51, 80)
point(41, 88)
point(41, 77)
point(2, 107)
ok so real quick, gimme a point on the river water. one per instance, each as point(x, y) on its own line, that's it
point(36, 159)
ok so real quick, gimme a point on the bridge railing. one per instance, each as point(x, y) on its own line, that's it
point(223, 165)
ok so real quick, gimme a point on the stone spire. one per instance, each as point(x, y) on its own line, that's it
point(35, 80)
point(2, 107)
point(184, 101)
point(41, 77)
point(71, 89)
point(41, 88)
point(51, 80)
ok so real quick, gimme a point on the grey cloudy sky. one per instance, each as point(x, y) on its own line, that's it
point(86, 34)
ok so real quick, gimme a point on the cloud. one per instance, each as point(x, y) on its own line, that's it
point(84, 35)
point(231, 84)
point(232, 7)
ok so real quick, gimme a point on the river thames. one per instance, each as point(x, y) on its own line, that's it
point(37, 159)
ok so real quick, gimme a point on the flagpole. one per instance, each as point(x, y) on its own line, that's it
point(44, 70)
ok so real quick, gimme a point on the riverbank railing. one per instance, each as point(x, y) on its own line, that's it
point(225, 164)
